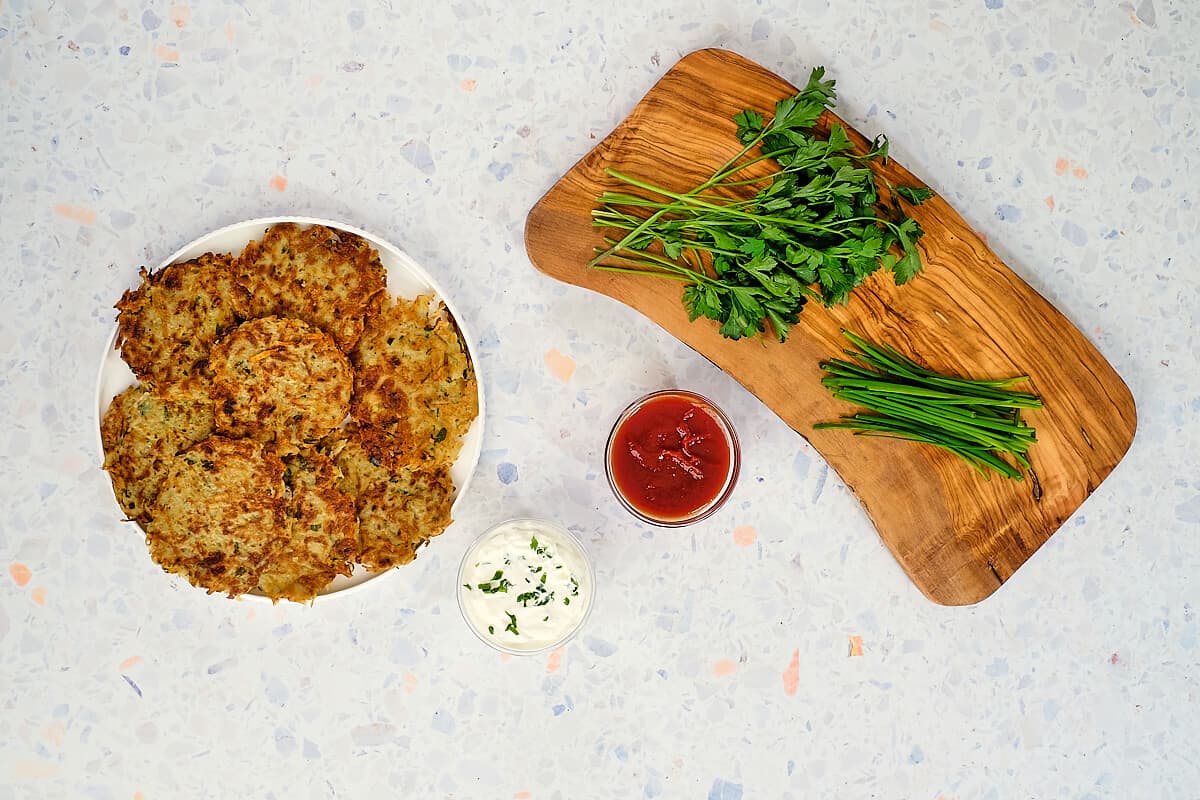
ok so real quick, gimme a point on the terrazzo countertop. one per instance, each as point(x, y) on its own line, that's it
point(773, 651)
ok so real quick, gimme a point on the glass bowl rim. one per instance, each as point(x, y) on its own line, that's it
point(731, 478)
point(559, 529)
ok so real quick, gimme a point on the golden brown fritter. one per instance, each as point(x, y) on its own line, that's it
point(280, 381)
point(322, 531)
point(398, 516)
point(166, 327)
point(365, 455)
point(143, 430)
point(220, 517)
point(413, 379)
point(399, 507)
point(331, 279)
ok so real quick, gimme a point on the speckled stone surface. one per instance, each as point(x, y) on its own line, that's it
point(774, 651)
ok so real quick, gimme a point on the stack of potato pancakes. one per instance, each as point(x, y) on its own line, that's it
point(291, 418)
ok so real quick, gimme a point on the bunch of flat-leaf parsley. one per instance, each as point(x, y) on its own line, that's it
point(815, 228)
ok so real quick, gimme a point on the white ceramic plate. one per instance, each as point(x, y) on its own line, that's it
point(405, 278)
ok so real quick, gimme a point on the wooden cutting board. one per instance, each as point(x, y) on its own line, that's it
point(957, 535)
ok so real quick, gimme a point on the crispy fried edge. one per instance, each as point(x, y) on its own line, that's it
point(272, 467)
point(225, 382)
point(253, 277)
point(142, 361)
point(343, 548)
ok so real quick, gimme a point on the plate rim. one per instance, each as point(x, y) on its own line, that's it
point(100, 402)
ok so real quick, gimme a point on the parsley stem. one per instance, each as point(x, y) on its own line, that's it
point(670, 269)
point(640, 202)
point(643, 271)
point(691, 199)
point(655, 217)
point(794, 167)
point(728, 167)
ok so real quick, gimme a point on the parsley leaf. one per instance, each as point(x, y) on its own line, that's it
point(750, 125)
point(753, 247)
point(914, 194)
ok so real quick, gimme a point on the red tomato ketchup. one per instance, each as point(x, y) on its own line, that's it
point(672, 458)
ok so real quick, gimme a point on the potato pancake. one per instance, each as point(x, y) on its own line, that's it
point(399, 507)
point(280, 381)
point(413, 379)
point(166, 327)
point(331, 279)
point(365, 455)
point(142, 431)
point(398, 516)
point(220, 516)
point(322, 531)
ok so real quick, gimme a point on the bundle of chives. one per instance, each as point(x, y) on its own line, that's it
point(979, 421)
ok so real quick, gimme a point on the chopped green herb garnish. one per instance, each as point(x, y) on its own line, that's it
point(540, 595)
point(533, 543)
point(566, 601)
point(498, 583)
point(512, 624)
point(492, 630)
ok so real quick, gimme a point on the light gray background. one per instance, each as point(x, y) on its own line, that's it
point(1064, 132)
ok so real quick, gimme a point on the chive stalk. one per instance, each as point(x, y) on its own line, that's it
point(977, 420)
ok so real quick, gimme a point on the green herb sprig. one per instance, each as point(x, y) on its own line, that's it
point(977, 420)
point(814, 230)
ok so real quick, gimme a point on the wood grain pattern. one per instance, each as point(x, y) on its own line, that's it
point(957, 535)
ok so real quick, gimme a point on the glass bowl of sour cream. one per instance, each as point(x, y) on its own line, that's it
point(526, 586)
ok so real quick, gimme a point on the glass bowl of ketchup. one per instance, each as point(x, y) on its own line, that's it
point(672, 458)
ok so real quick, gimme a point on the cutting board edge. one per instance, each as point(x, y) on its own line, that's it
point(939, 594)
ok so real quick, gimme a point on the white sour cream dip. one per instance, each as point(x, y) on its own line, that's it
point(525, 585)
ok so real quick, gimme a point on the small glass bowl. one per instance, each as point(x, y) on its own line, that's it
point(735, 460)
point(564, 537)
